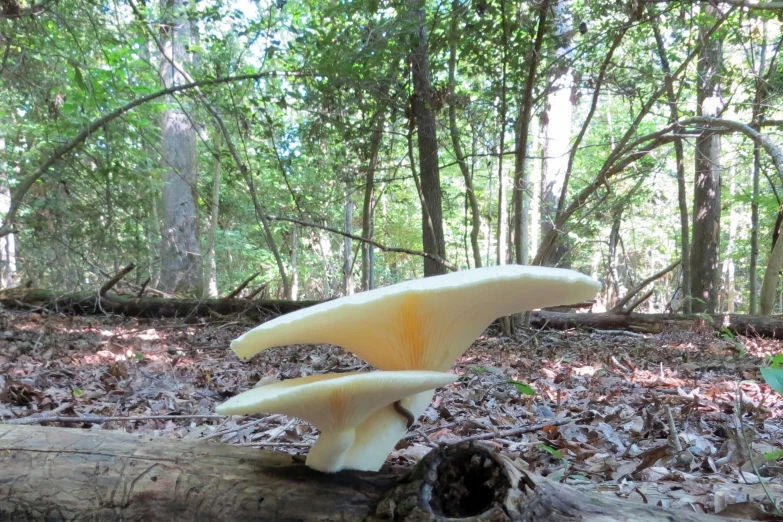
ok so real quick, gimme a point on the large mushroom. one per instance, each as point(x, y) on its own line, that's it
point(336, 404)
point(424, 324)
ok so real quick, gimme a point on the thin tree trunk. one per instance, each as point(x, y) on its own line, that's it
point(681, 190)
point(521, 178)
point(210, 267)
point(560, 106)
point(423, 102)
point(460, 155)
point(368, 211)
point(8, 274)
point(294, 262)
point(705, 256)
point(729, 262)
point(181, 251)
point(348, 242)
point(758, 111)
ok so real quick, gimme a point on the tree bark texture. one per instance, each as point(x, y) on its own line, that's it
point(423, 104)
point(705, 253)
point(181, 249)
point(58, 474)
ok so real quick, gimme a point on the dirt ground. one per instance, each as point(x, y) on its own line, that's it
point(618, 399)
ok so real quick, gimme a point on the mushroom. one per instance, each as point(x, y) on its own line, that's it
point(335, 404)
point(424, 324)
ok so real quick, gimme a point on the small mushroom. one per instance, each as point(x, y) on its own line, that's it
point(335, 404)
point(424, 324)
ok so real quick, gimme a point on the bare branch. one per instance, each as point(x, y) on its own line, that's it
point(619, 306)
point(377, 245)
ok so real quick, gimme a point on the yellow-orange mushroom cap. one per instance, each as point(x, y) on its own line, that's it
point(335, 404)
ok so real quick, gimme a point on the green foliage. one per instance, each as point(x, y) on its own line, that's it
point(524, 389)
point(305, 132)
point(773, 375)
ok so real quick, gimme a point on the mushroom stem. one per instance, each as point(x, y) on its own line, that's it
point(329, 451)
point(377, 436)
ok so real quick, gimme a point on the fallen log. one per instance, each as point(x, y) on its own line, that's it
point(738, 324)
point(261, 309)
point(133, 306)
point(56, 474)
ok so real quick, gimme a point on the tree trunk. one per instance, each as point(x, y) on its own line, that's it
point(181, 249)
point(210, 267)
point(521, 197)
point(368, 209)
point(58, 474)
point(348, 242)
point(294, 262)
point(758, 113)
point(729, 267)
point(681, 190)
point(557, 138)
point(8, 275)
point(475, 212)
point(705, 258)
point(423, 103)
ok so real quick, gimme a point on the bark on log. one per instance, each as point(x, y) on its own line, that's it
point(58, 474)
point(132, 306)
point(738, 324)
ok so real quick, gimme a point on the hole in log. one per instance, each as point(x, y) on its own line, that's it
point(468, 484)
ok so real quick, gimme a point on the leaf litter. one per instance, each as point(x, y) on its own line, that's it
point(680, 419)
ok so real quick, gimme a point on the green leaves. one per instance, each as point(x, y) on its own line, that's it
point(773, 375)
point(522, 388)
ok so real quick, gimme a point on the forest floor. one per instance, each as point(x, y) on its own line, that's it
point(624, 394)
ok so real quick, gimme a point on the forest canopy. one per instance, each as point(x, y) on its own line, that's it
point(338, 146)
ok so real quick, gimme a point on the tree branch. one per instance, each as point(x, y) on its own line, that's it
point(26, 184)
point(377, 245)
point(619, 306)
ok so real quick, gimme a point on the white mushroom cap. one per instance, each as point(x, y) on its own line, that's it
point(335, 404)
point(424, 324)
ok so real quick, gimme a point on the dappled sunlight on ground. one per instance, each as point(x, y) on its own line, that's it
point(602, 406)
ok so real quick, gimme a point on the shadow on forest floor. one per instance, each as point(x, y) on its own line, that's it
point(619, 389)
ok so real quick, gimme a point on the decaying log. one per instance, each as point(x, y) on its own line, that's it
point(58, 474)
point(132, 306)
point(262, 309)
point(738, 324)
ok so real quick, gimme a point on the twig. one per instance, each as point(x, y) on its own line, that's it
point(143, 287)
point(619, 332)
point(95, 419)
point(377, 245)
point(116, 279)
point(286, 444)
point(517, 431)
point(749, 450)
point(257, 291)
point(638, 288)
point(639, 301)
point(242, 286)
point(219, 434)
